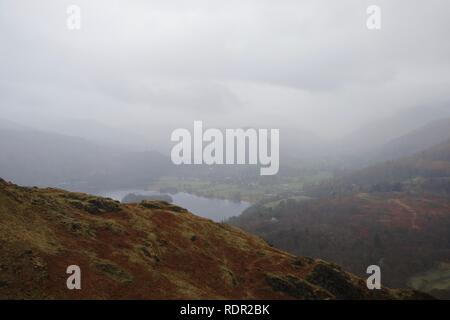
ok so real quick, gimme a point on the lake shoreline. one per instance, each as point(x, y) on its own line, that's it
point(216, 209)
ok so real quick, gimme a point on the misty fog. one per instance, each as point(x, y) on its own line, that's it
point(137, 71)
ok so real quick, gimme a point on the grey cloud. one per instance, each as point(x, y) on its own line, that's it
point(310, 64)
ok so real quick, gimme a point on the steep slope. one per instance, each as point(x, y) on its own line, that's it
point(418, 140)
point(379, 132)
point(405, 234)
point(153, 250)
point(426, 171)
point(393, 137)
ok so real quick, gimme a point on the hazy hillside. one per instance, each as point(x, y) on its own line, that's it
point(381, 131)
point(33, 157)
point(153, 250)
point(418, 140)
point(404, 133)
point(11, 125)
point(426, 171)
point(97, 132)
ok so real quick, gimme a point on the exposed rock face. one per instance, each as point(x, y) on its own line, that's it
point(152, 250)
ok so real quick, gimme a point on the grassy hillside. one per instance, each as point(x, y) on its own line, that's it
point(151, 250)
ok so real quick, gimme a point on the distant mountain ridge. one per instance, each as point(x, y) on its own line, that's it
point(428, 170)
point(402, 134)
point(33, 157)
point(379, 132)
point(418, 140)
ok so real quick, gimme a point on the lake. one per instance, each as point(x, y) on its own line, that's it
point(214, 209)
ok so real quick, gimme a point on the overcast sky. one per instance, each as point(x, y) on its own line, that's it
point(290, 63)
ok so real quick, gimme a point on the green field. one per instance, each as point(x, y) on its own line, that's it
point(251, 192)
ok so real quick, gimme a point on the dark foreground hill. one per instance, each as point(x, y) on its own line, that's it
point(152, 250)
